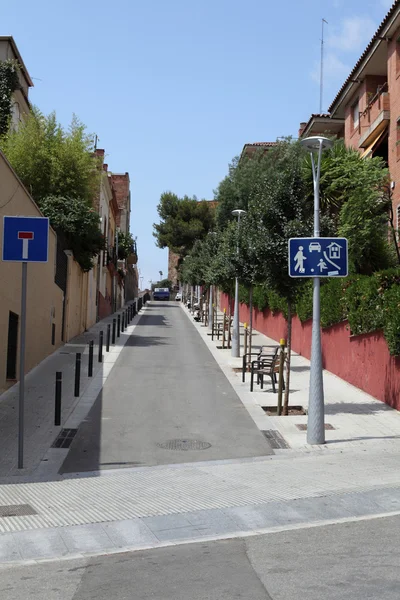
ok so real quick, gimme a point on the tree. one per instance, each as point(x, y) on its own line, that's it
point(363, 221)
point(277, 211)
point(182, 222)
point(51, 161)
point(78, 225)
point(344, 171)
point(236, 188)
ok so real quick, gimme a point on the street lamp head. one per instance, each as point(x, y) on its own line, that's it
point(238, 212)
point(314, 142)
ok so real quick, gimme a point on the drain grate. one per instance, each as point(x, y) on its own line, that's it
point(303, 426)
point(275, 439)
point(184, 445)
point(64, 438)
point(17, 510)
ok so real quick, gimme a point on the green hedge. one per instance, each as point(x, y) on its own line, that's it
point(369, 303)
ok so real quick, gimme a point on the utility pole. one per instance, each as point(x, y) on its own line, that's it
point(322, 67)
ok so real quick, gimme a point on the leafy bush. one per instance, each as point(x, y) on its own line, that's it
point(260, 297)
point(304, 301)
point(9, 82)
point(332, 302)
point(391, 316)
point(78, 224)
point(277, 303)
point(363, 304)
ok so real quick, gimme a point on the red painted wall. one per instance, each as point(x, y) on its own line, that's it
point(362, 360)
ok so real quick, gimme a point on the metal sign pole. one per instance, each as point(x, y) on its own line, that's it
point(22, 368)
point(316, 417)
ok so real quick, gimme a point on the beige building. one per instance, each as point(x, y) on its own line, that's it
point(20, 105)
point(44, 297)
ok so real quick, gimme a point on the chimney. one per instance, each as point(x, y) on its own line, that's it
point(302, 127)
point(105, 167)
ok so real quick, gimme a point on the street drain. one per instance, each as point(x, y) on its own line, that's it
point(276, 440)
point(184, 445)
point(17, 510)
point(64, 438)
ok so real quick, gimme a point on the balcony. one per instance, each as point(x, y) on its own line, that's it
point(375, 118)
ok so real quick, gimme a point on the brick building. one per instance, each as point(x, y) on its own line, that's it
point(366, 110)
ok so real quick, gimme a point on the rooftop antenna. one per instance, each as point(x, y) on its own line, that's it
point(322, 66)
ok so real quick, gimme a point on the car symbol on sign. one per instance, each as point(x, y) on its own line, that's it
point(315, 246)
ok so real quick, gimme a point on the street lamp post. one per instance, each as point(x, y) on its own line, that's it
point(235, 333)
point(316, 409)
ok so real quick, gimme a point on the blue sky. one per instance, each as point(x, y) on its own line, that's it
point(175, 88)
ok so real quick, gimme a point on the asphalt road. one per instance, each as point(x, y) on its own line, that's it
point(165, 385)
point(356, 560)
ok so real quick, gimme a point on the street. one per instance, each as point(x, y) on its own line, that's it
point(164, 386)
point(354, 560)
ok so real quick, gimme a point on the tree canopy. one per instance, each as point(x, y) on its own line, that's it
point(182, 222)
point(52, 161)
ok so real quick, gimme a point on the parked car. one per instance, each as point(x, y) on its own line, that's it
point(161, 294)
point(178, 296)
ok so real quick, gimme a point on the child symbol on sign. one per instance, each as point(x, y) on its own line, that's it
point(322, 265)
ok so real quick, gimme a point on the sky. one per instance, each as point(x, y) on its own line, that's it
point(175, 88)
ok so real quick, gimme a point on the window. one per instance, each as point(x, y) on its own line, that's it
point(355, 111)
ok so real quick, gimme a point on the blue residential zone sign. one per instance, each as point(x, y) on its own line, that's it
point(25, 239)
point(318, 257)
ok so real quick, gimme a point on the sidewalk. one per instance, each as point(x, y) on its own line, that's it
point(353, 419)
point(354, 476)
point(40, 431)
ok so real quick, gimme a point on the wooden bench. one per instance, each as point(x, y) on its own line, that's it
point(265, 366)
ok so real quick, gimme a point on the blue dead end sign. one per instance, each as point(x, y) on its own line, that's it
point(26, 239)
point(318, 257)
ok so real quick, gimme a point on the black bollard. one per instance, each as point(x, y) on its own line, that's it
point(108, 338)
point(77, 374)
point(123, 321)
point(113, 331)
point(90, 363)
point(101, 347)
point(118, 325)
point(57, 411)
point(127, 319)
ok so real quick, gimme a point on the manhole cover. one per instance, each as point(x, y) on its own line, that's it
point(17, 510)
point(64, 438)
point(184, 445)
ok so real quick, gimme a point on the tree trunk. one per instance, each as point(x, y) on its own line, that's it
point(250, 316)
point(393, 230)
point(289, 350)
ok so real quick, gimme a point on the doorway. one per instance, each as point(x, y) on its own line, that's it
point(12, 346)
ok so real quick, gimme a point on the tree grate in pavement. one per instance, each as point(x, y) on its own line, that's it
point(303, 426)
point(275, 439)
point(16, 510)
point(184, 445)
point(64, 438)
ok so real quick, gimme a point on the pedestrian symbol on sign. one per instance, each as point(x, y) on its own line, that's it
point(300, 258)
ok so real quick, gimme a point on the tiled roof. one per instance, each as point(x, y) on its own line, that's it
point(261, 144)
point(375, 37)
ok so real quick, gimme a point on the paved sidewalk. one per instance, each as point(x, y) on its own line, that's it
point(357, 419)
point(40, 431)
point(354, 476)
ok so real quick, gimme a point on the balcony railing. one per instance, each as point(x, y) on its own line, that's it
point(376, 114)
